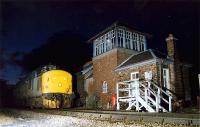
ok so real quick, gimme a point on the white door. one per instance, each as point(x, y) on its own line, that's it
point(166, 78)
point(135, 83)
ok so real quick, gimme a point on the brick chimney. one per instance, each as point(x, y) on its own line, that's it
point(175, 70)
point(171, 46)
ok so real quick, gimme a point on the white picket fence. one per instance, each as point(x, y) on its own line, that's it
point(143, 96)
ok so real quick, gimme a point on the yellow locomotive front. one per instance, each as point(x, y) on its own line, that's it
point(56, 89)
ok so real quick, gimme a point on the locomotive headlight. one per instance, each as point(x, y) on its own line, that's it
point(59, 84)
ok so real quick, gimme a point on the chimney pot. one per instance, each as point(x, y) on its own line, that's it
point(171, 37)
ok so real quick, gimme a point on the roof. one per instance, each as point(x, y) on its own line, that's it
point(143, 56)
point(115, 25)
point(87, 64)
point(87, 70)
point(159, 54)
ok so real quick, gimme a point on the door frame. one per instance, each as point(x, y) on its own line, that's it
point(166, 83)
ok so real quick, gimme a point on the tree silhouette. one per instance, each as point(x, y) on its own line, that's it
point(67, 50)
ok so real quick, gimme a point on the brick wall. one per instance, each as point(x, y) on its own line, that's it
point(91, 88)
point(125, 74)
point(103, 70)
point(80, 83)
point(176, 76)
point(178, 85)
point(186, 83)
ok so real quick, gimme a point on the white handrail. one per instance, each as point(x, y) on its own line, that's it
point(158, 97)
point(145, 94)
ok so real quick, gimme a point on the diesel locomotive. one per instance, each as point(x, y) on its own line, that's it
point(46, 87)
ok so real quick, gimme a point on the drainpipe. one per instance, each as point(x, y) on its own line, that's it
point(199, 82)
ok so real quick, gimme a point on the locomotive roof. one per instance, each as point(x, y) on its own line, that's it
point(38, 71)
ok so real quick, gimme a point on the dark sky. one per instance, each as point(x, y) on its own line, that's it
point(27, 27)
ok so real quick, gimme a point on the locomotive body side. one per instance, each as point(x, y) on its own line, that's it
point(50, 89)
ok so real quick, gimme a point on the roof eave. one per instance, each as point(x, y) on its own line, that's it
point(136, 64)
point(114, 25)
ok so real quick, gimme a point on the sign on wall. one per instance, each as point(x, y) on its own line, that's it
point(148, 75)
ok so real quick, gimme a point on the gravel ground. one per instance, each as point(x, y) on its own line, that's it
point(14, 118)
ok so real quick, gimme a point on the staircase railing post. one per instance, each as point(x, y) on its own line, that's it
point(158, 94)
point(137, 94)
point(170, 104)
point(146, 99)
point(157, 104)
point(149, 86)
point(117, 91)
point(129, 93)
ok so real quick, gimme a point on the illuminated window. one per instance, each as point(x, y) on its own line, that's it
point(104, 43)
point(105, 87)
point(120, 34)
point(128, 40)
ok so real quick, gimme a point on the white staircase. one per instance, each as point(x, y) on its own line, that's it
point(143, 96)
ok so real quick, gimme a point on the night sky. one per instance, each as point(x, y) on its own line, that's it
point(35, 33)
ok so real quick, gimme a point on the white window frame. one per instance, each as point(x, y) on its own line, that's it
point(166, 79)
point(135, 75)
point(105, 87)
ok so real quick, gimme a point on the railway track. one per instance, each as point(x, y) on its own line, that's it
point(128, 117)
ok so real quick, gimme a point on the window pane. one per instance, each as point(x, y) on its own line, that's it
point(104, 87)
point(135, 76)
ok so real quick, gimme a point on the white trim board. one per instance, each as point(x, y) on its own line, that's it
point(151, 61)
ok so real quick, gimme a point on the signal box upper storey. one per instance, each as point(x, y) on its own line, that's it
point(119, 35)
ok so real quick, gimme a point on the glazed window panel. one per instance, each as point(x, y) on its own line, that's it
point(141, 47)
point(104, 43)
point(105, 87)
point(113, 42)
point(120, 38)
point(113, 33)
point(135, 76)
point(135, 37)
